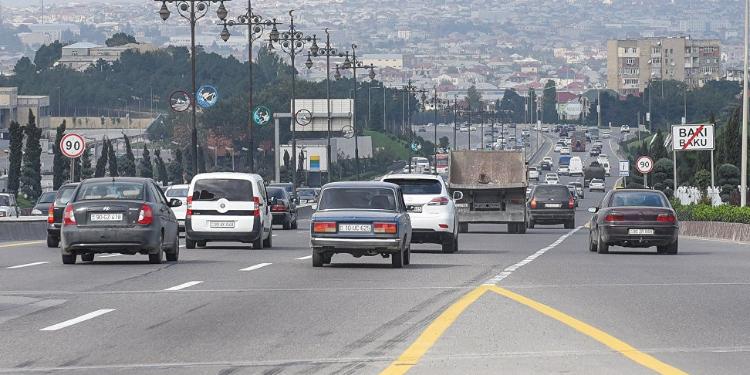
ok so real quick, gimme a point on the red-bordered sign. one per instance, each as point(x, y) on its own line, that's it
point(644, 164)
point(72, 145)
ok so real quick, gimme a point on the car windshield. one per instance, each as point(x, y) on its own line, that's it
point(176, 193)
point(306, 192)
point(413, 186)
point(637, 198)
point(596, 181)
point(111, 190)
point(363, 198)
point(4, 200)
point(551, 192)
point(47, 197)
point(227, 188)
point(276, 192)
point(64, 195)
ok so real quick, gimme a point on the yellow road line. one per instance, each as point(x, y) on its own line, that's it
point(616, 344)
point(21, 244)
point(427, 339)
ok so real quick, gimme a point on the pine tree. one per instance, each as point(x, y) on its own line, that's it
point(178, 176)
point(127, 167)
point(161, 169)
point(201, 161)
point(113, 171)
point(60, 163)
point(732, 139)
point(31, 174)
point(146, 168)
point(14, 157)
point(101, 163)
point(86, 171)
point(188, 164)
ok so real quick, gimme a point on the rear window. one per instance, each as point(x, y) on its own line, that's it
point(417, 186)
point(47, 197)
point(358, 199)
point(276, 192)
point(64, 195)
point(637, 198)
point(558, 192)
point(177, 193)
point(4, 200)
point(227, 188)
point(111, 190)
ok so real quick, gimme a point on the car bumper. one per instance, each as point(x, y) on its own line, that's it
point(355, 245)
point(551, 216)
point(53, 230)
point(127, 240)
point(281, 217)
point(219, 235)
point(618, 235)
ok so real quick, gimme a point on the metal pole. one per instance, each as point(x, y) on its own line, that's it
point(194, 130)
point(385, 126)
point(713, 183)
point(251, 141)
point(674, 171)
point(745, 104)
point(408, 120)
point(435, 125)
point(598, 107)
point(276, 150)
point(293, 51)
point(455, 112)
point(481, 119)
point(354, 109)
point(369, 105)
point(328, 101)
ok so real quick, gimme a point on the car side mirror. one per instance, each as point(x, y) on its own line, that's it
point(174, 202)
point(273, 200)
point(458, 195)
point(593, 210)
point(296, 200)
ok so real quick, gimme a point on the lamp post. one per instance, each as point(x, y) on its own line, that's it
point(192, 11)
point(369, 102)
point(410, 89)
point(255, 26)
point(354, 65)
point(326, 51)
point(291, 42)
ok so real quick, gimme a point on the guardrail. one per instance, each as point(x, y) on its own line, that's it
point(735, 232)
point(24, 228)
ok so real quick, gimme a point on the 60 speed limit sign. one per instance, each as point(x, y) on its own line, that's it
point(72, 145)
point(644, 164)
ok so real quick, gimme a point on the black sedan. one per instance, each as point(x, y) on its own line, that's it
point(124, 215)
point(551, 204)
point(634, 218)
point(43, 203)
point(361, 218)
point(283, 207)
point(55, 213)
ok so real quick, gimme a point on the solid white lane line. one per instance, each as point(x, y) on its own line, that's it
point(109, 255)
point(77, 320)
point(255, 267)
point(509, 270)
point(185, 285)
point(26, 265)
point(305, 258)
point(21, 244)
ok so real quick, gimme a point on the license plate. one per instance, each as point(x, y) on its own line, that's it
point(416, 209)
point(553, 205)
point(640, 232)
point(355, 228)
point(221, 224)
point(106, 217)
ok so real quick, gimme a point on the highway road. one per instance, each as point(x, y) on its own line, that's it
point(518, 304)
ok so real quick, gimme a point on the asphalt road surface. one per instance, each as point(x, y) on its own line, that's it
point(518, 304)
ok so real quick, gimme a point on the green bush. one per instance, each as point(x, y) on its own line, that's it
point(704, 212)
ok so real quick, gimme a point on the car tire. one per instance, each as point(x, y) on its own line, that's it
point(592, 244)
point(397, 259)
point(531, 224)
point(89, 257)
point(200, 243)
point(407, 256)
point(327, 258)
point(189, 244)
point(601, 246)
point(450, 244)
point(69, 259)
point(156, 258)
point(294, 224)
point(463, 228)
point(668, 249)
point(317, 259)
point(52, 241)
point(521, 228)
point(268, 242)
point(570, 224)
point(258, 244)
point(174, 255)
point(287, 225)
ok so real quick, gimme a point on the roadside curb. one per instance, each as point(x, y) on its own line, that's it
point(23, 230)
point(715, 230)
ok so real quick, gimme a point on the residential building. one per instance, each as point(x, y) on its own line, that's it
point(79, 56)
point(14, 107)
point(633, 63)
point(393, 61)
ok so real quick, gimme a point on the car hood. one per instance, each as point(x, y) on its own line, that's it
point(355, 215)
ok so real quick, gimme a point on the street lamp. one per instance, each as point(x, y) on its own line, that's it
point(193, 10)
point(410, 89)
point(369, 102)
point(354, 65)
point(255, 26)
point(292, 42)
point(326, 51)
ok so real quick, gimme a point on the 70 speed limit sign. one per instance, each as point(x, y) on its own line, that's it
point(72, 145)
point(644, 164)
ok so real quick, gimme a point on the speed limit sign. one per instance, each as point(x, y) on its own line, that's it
point(644, 164)
point(72, 145)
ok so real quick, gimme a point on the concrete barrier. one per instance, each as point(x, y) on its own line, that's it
point(735, 232)
point(25, 228)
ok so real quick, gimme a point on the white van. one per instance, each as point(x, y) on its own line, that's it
point(605, 165)
point(228, 206)
point(575, 168)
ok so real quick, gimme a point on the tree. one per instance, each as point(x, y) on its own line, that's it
point(161, 169)
point(101, 163)
point(14, 157)
point(201, 160)
point(662, 175)
point(146, 169)
point(513, 107)
point(86, 171)
point(60, 163)
point(112, 156)
point(47, 55)
point(702, 179)
point(188, 164)
point(728, 179)
point(31, 174)
point(120, 39)
point(127, 167)
point(549, 103)
point(474, 98)
point(24, 67)
point(443, 142)
point(658, 151)
point(175, 168)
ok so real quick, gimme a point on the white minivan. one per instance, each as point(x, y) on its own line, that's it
point(179, 192)
point(227, 206)
point(575, 168)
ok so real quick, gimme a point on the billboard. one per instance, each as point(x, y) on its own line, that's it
point(315, 157)
point(341, 114)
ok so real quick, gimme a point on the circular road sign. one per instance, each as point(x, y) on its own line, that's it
point(72, 145)
point(207, 96)
point(180, 101)
point(644, 164)
point(415, 146)
point(347, 131)
point(262, 115)
point(303, 117)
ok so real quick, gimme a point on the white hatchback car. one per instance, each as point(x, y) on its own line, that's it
point(551, 179)
point(431, 209)
point(179, 192)
point(227, 206)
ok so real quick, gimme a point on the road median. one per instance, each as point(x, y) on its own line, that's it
point(24, 228)
point(735, 232)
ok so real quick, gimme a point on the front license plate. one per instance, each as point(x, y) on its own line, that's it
point(221, 224)
point(106, 217)
point(553, 205)
point(640, 232)
point(355, 228)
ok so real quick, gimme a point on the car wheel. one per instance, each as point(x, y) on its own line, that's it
point(258, 244)
point(294, 224)
point(269, 241)
point(450, 244)
point(570, 224)
point(287, 225)
point(200, 243)
point(69, 259)
point(317, 259)
point(327, 258)
point(156, 258)
point(397, 259)
point(407, 255)
point(189, 244)
point(463, 228)
point(601, 246)
point(174, 255)
point(52, 241)
point(531, 224)
point(592, 244)
point(87, 257)
point(521, 228)
point(668, 249)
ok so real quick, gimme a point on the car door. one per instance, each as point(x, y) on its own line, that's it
point(265, 207)
point(404, 219)
point(166, 216)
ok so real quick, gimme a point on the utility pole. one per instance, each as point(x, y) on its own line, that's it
point(743, 168)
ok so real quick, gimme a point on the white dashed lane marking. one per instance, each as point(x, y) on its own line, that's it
point(26, 265)
point(77, 320)
point(256, 267)
point(305, 258)
point(183, 286)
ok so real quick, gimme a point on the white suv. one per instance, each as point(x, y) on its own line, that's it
point(431, 210)
point(179, 192)
point(228, 206)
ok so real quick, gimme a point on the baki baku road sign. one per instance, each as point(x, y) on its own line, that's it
point(693, 137)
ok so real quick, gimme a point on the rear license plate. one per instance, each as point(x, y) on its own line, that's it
point(221, 224)
point(106, 217)
point(553, 205)
point(640, 232)
point(416, 209)
point(355, 228)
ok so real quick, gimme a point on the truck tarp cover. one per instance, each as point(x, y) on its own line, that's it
point(477, 169)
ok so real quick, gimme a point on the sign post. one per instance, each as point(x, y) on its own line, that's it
point(72, 146)
point(692, 137)
point(624, 171)
point(645, 165)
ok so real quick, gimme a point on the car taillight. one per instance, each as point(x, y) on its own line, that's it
point(51, 214)
point(189, 207)
point(666, 218)
point(571, 202)
point(390, 228)
point(438, 201)
point(278, 207)
point(256, 203)
point(614, 217)
point(532, 204)
point(324, 227)
point(69, 218)
point(146, 215)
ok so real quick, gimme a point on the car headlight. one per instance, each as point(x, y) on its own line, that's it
point(36, 212)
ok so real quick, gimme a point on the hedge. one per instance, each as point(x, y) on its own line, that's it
point(704, 212)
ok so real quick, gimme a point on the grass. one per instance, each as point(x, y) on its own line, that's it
point(398, 149)
point(23, 202)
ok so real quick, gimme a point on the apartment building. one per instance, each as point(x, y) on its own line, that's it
point(633, 63)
